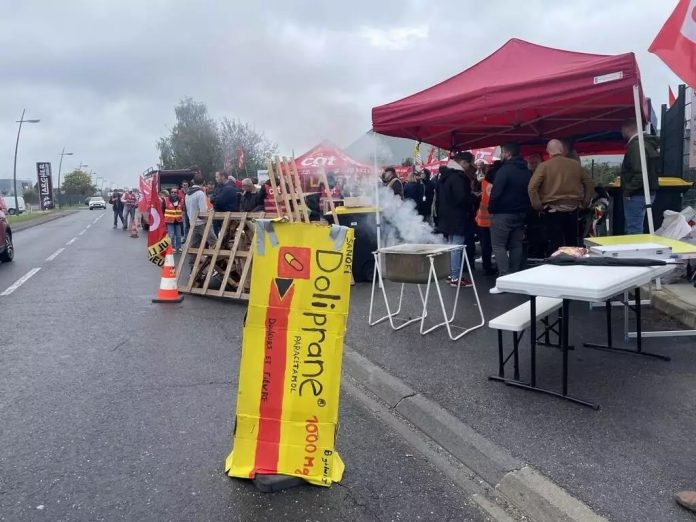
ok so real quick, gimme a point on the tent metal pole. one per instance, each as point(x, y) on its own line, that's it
point(378, 213)
point(643, 161)
point(376, 182)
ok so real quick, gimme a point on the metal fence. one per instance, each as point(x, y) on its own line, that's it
point(65, 200)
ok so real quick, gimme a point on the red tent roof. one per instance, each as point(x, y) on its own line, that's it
point(524, 93)
point(328, 156)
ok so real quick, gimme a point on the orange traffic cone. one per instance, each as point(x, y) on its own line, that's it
point(133, 228)
point(168, 292)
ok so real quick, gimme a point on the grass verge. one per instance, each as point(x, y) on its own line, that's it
point(36, 214)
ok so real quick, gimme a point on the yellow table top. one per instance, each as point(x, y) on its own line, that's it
point(664, 182)
point(679, 248)
point(354, 210)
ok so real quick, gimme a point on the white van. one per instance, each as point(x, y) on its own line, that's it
point(10, 205)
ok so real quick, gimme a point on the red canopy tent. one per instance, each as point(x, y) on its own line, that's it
point(332, 160)
point(523, 93)
point(326, 156)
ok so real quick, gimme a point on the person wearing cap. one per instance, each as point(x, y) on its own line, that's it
point(392, 181)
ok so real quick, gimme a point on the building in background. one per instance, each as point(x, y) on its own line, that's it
point(7, 186)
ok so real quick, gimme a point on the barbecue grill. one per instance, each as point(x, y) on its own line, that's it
point(420, 264)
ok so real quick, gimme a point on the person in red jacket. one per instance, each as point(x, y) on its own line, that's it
point(174, 217)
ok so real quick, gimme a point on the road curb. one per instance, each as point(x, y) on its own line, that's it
point(672, 305)
point(42, 220)
point(542, 499)
point(525, 488)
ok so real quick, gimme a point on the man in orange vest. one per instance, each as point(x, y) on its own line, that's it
point(174, 217)
point(483, 220)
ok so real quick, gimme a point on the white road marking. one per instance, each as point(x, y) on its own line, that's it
point(82, 233)
point(20, 281)
point(87, 227)
point(55, 254)
point(71, 241)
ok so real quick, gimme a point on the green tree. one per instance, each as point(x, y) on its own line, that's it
point(79, 183)
point(257, 148)
point(193, 142)
point(602, 173)
point(31, 196)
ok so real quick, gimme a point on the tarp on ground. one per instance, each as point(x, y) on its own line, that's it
point(524, 93)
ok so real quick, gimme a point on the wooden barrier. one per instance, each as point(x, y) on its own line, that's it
point(287, 189)
point(222, 269)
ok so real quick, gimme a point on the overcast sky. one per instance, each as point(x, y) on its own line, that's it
point(104, 75)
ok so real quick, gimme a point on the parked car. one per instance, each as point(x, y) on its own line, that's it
point(97, 202)
point(6, 246)
point(10, 207)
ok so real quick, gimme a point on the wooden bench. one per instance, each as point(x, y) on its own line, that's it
point(517, 321)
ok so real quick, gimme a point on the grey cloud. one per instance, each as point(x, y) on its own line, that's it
point(104, 75)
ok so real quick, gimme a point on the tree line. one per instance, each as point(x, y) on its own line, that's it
point(198, 140)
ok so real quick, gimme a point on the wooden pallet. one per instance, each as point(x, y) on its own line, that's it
point(287, 189)
point(228, 261)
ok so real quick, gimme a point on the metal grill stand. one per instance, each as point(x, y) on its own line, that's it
point(393, 317)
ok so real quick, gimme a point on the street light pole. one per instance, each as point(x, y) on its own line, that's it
point(14, 175)
point(60, 166)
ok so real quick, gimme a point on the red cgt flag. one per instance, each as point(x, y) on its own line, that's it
point(144, 197)
point(240, 158)
point(675, 44)
point(672, 97)
point(157, 239)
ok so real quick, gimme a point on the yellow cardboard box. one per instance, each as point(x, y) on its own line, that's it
point(290, 371)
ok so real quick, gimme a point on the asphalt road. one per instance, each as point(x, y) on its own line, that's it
point(625, 460)
point(114, 408)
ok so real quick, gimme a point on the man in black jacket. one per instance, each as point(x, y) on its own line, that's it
point(250, 199)
point(225, 199)
point(455, 204)
point(509, 205)
point(117, 205)
point(425, 205)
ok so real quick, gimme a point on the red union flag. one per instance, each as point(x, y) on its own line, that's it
point(240, 158)
point(144, 198)
point(157, 239)
point(675, 44)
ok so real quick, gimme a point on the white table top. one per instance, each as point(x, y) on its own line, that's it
point(579, 282)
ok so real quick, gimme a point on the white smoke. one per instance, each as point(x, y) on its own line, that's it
point(401, 222)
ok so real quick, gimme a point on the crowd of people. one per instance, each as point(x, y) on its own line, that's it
point(226, 194)
point(521, 208)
